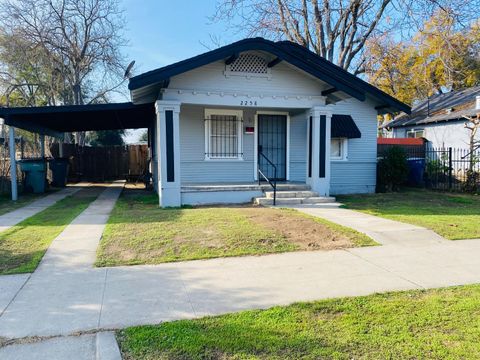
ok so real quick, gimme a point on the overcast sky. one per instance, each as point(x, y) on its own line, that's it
point(161, 32)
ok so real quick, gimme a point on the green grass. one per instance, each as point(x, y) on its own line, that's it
point(429, 324)
point(139, 232)
point(7, 205)
point(453, 216)
point(23, 246)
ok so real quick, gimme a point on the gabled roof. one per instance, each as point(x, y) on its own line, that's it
point(151, 82)
point(450, 106)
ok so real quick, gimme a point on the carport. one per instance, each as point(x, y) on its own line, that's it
point(56, 120)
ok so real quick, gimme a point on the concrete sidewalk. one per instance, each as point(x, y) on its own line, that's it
point(14, 217)
point(66, 295)
point(383, 231)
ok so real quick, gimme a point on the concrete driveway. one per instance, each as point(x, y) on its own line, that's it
point(67, 296)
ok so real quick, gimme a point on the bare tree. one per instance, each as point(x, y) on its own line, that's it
point(81, 41)
point(335, 29)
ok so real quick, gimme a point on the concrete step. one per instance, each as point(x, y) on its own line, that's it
point(318, 200)
point(289, 187)
point(295, 200)
point(280, 201)
point(291, 194)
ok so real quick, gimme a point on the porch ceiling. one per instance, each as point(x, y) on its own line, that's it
point(53, 120)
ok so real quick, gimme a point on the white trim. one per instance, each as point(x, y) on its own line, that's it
point(255, 148)
point(287, 145)
point(211, 111)
point(259, 100)
point(343, 150)
point(229, 112)
point(287, 171)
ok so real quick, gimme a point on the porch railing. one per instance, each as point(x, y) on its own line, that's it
point(272, 182)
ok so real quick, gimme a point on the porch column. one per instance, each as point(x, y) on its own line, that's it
point(318, 166)
point(168, 152)
point(13, 164)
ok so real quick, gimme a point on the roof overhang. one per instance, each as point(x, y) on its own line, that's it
point(146, 87)
point(55, 120)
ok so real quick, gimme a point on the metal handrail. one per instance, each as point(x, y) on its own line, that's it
point(273, 183)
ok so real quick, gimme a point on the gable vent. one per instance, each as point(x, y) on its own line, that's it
point(248, 65)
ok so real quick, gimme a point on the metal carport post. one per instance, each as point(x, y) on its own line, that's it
point(13, 163)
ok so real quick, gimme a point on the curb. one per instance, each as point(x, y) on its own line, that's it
point(107, 347)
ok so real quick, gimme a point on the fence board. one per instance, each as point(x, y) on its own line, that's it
point(103, 163)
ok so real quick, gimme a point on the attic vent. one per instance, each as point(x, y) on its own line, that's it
point(248, 65)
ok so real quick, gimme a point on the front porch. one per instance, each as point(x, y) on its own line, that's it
point(287, 193)
point(210, 154)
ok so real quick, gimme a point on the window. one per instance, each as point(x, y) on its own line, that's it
point(338, 149)
point(223, 134)
point(418, 133)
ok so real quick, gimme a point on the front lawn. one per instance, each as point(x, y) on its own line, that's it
point(453, 216)
point(7, 205)
point(23, 245)
point(139, 232)
point(429, 324)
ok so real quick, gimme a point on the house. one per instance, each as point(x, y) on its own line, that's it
point(225, 124)
point(439, 119)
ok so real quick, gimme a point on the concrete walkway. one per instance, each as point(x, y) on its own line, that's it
point(67, 296)
point(12, 218)
point(383, 231)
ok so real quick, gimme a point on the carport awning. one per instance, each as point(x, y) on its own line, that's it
point(54, 120)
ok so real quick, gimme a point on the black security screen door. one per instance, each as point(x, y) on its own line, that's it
point(272, 142)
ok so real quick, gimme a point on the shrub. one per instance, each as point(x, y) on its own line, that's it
point(392, 169)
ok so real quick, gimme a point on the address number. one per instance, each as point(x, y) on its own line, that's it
point(248, 103)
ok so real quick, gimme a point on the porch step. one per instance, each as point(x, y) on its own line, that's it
point(294, 200)
point(288, 187)
point(291, 194)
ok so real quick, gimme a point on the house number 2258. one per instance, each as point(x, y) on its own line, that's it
point(248, 103)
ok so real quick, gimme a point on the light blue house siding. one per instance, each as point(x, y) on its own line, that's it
point(193, 166)
point(358, 173)
point(198, 90)
point(298, 147)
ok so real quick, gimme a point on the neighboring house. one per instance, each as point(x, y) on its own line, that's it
point(440, 119)
point(219, 120)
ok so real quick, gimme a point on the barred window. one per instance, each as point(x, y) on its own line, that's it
point(223, 134)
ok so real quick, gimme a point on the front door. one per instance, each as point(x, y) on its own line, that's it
point(272, 142)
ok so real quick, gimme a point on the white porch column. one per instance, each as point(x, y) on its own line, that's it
point(168, 152)
point(318, 166)
point(13, 164)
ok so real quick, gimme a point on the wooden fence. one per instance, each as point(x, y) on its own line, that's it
point(89, 163)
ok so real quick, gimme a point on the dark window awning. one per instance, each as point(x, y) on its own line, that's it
point(343, 126)
point(54, 120)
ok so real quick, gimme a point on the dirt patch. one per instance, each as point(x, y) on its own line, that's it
point(307, 233)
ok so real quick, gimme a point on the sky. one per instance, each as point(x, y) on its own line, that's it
point(161, 32)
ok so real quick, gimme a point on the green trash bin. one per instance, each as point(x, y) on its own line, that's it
point(59, 168)
point(35, 174)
